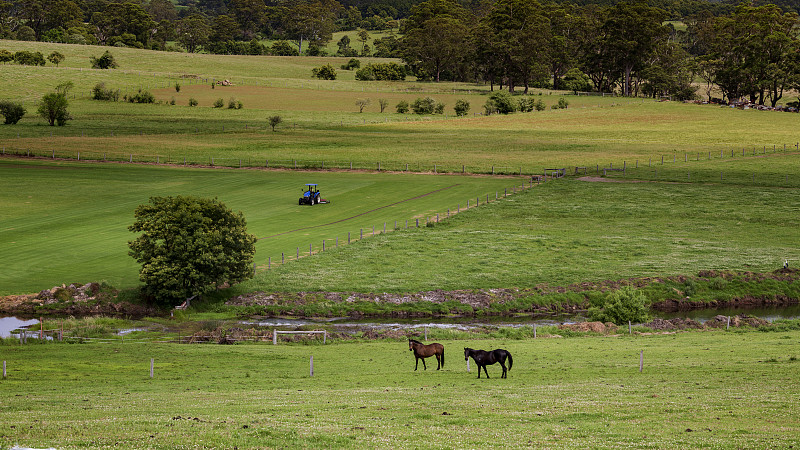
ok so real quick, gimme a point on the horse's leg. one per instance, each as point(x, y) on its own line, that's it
point(417, 364)
point(503, 365)
point(438, 362)
point(479, 369)
point(423, 364)
point(485, 371)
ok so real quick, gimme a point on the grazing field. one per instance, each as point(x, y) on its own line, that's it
point(703, 389)
point(566, 232)
point(322, 122)
point(67, 222)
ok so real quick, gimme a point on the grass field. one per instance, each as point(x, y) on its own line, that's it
point(55, 214)
point(566, 232)
point(708, 389)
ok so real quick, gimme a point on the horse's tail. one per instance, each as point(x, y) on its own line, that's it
point(510, 361)
point(442, 356)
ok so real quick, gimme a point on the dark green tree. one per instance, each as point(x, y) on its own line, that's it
point(189, 246)
point(105, 61)
point(436, 36)
point(53, 107)
point(326, 72)
point(11, 112)
point(193, 32)
point(55, 58)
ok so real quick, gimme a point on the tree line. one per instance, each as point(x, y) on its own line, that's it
point(629, 48)
point(745, 50)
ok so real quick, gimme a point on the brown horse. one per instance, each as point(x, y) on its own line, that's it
point(422, 351)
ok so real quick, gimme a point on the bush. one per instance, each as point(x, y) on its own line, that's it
point(177, 87)
point(283, 48)
point(461, 108)
point(141, 97)
point(500, 102)
point(12, 112)
point(99, 92)
point(626, 304)
point(234, 104)
point(219, 103)
point(540, 106)
point(326, 72)
point(402, 107)
point(425, 105)
point(381, 72)
point(27, 58)
point(439, 109)
point(352, 64)
point(106, 61)
point(192, 102)
point(526, 104)
point(562, 103)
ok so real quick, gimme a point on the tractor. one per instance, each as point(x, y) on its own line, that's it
point(311, 196)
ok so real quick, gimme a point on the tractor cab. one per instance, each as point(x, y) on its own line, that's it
point(311, 195)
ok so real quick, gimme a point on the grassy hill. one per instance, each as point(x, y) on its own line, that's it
point(722, 198)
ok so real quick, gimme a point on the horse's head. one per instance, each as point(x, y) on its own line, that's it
point(411, 345)
point(466, 353)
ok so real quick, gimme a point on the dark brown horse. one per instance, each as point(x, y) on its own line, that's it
point(483, 358)
point(422, 351)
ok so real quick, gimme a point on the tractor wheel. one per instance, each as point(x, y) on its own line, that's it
point(300, 201)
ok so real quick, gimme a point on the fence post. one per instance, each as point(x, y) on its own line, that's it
point(311, 362)
point(641, 360)
point(282, 259)
point(310, 249)
point(361, 236)
point(417, 222)
point(298, 253)
point(348, 237)
point(4, 369)
point(274, 337)
point(151, 367)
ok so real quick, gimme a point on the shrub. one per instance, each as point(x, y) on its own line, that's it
point(99, 92)
point(383, 103)
point(219, 103)
point(381, 72)
point(27, 58)
point(55, 58)
point(352, 64)
point(563, 103)
point(540, 106)
point(326, 72)
point(283, 48)
point(172, 102)
point(575, 80)
point(439, 109)
point(526, 104)
point(26, 33)
point(402, 107)
point(12, 112)
point(626, 304)
point(192, 102)
point(177, 87)
point(461, 108)
point(501, 102)
point(234, 104)
point(106, 61)
point(6, 56)
point(425, 105)
point(141, 97)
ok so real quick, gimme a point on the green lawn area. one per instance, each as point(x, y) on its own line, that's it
point(566, 232)
point(67, 222)
point(702, 389)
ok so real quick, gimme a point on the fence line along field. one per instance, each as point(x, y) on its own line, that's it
point(702, 389)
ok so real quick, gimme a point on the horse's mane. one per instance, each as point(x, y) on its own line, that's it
point(415, 341)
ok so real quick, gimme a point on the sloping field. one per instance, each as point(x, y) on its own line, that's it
point(67, 222)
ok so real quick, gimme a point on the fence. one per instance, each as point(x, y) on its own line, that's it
point(430, 220)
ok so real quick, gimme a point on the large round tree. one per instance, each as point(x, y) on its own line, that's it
point(189, 246)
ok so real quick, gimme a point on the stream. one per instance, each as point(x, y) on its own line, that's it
point(9, 324)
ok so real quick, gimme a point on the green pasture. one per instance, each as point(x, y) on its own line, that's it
point(706, 389)
point(321, 121)
point(566, 232)
point(67, 222)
